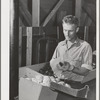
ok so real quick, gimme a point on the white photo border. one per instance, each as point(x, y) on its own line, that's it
point(97, 49)
point(5, 16)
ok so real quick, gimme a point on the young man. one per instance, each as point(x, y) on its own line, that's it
point(72, 58)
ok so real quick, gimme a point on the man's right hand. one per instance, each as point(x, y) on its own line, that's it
point(63, 66)
point(60, 66)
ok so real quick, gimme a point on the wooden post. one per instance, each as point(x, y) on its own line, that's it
point(86, 33)
point(87, 21)
point(58, 33)
point(35, 13)
point(78, 10)
point(20, 46)
point(29, 46)
point(14, 35)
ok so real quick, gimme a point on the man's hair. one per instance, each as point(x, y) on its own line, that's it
point(71, 20)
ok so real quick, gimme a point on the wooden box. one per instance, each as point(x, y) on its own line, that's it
point(29, 90)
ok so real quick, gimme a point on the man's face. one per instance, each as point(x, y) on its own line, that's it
point(70, 31)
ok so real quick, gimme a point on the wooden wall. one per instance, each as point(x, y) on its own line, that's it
point(88, 16)
point(66, 8)
point(46, 6)
point(54, 26)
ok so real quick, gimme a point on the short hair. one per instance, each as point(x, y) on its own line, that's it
point(71, 20)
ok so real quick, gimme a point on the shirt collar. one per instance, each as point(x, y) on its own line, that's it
point(69, 44)
point(76, 41)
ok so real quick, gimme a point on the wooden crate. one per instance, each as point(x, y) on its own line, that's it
point(29, 90)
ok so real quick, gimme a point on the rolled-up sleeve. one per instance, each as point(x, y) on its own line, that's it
point(87, 57)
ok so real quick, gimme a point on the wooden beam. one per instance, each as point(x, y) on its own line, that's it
point(84, 15)
point(52, 12)
point(90, 11)
point(88, 21)
point(21, 24)
point(20, 46)
point(78, 9)
point(13, 59)
point(25, 13)
point(29, 46)
point(86, 33)
point(35, 13)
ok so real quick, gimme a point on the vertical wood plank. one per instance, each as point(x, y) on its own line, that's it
point(78, 9)
point(86, 33)
point(84, 15)
point(89, 21)
point(35, 13)
point(38, 53)
point(47, 51)
point(58, 33)
point(20, 46)
point(14, 35)
point(24, 32)
point(29, 46)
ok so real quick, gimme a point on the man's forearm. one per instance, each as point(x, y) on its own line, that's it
point(81, 71)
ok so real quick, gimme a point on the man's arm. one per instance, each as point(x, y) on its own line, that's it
point(86, 62)
point(81, 71)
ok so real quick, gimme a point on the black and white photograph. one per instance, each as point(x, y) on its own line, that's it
point(50, 50)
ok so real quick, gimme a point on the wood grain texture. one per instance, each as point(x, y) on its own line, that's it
point(25, 13)
point(29, 46)
point(20, 46)
point(52, 12)
point(35, 13)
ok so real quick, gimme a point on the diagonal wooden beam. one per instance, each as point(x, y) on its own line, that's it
point(90, 12)
point(25, 13)
point(52, 12)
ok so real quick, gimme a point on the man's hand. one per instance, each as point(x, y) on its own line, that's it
point(63, 66)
